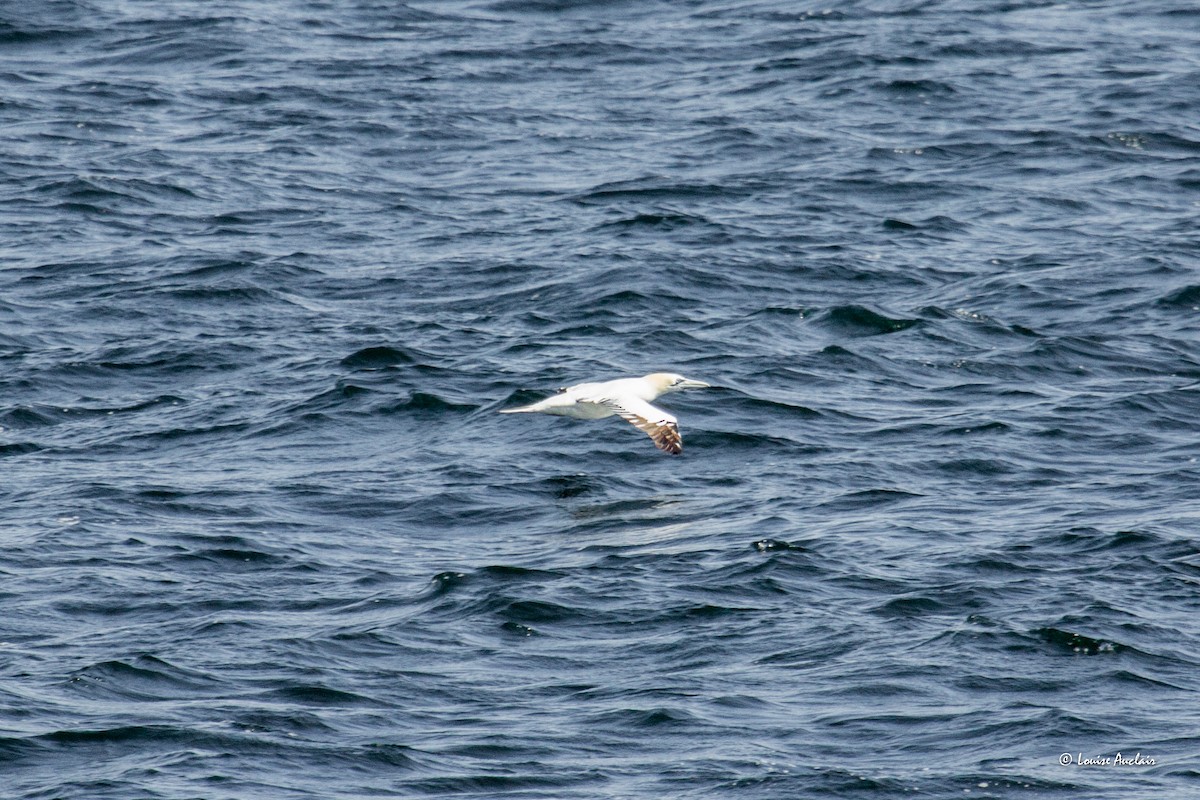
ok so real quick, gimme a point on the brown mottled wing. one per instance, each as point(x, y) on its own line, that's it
point(660, 426)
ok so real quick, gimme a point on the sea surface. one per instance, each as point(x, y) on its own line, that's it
point(270, 268)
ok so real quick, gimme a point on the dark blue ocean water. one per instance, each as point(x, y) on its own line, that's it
point(269, 269)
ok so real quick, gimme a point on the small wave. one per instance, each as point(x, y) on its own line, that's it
point(533, 612)
point(171, 49)
point(248, 295)
point(446, 582)
point(1187, 297)
point(976, 466)
point(336, 397)
point(147, 678)
point(1088, 539)
point(424, 402)
point(118, 735)
point(776, 545)
point(929, 226)
point(974, 430)
point(568, 486)
point(732, 440)
point(505, 573)
point(29, 417)
point(530, 784)
point(907, 87)
point(319, 696)
point(662, 222)
point(774, 407)
point(159, 359)
point(228, 559)
point(1003, 47)
point(92, 192)
point(18, 448)
point(17, 37)
point(378, 357)
point(855, 320)
point(647, 718)
point(915, 606)
point(869, 498)
point(621, 300)
point(232, 221)
point(653, 188)
point(982, 321)
point(392, 756)
point(1076, 642)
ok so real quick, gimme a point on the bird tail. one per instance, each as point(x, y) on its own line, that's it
point(517, 410)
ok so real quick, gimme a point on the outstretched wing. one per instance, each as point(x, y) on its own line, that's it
point(660, 426)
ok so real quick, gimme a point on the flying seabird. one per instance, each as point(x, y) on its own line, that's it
point(628, 398)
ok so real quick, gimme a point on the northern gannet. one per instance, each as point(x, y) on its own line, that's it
point(628, 398)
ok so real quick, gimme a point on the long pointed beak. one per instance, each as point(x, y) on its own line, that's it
point(688, 383)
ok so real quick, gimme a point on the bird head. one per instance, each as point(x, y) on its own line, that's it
point(670, 382)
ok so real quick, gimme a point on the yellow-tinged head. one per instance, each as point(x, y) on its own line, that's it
point(665, 382)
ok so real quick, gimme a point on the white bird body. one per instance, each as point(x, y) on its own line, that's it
point(628, 398)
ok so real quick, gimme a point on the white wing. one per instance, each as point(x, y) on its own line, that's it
point(660, 426)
